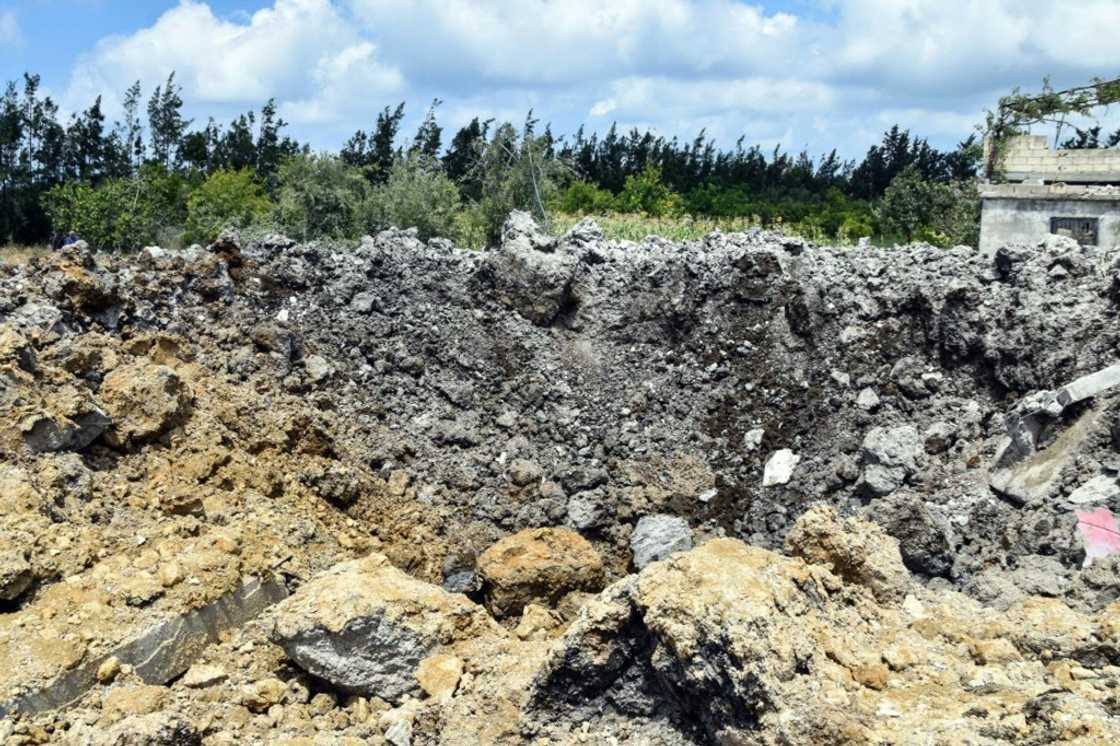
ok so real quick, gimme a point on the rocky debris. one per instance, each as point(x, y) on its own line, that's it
point(890, 457)
point(857, 551)
point(658, 536)
point(15, 573)
point(538, 565)
point(439, 676)
point(801, 658)
point(468, 396)
point(144, 400)
point(364, 627)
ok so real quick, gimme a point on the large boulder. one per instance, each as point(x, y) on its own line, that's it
point(526, 274)
point(364, 627)
point(538, 565)
point(144, 400)
point(857, 551)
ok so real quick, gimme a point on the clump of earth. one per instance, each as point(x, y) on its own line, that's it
point(744, 490)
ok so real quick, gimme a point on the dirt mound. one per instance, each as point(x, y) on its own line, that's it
point(188, 438)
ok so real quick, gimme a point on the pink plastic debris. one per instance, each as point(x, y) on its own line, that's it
point(1099, 533)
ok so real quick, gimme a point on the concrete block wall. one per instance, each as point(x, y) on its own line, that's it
point(1031, 156)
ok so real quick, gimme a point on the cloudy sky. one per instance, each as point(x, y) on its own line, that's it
point(800, 73)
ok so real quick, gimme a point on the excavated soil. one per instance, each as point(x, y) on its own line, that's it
point(746, 490)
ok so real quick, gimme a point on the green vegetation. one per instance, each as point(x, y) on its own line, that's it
point(169, 181)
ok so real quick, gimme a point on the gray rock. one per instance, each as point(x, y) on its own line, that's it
point(890, 457)
point(586, 510)
point(925, 542)
point(15, 573)
point(523, 472)
point(1099, 489)
point(939, 437)
point(868, 400)
point(318, 369)
point(657, 536)
point(753, 439)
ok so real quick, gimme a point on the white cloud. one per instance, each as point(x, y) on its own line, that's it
point(732, 66)
point(10, 34)
point(303, 52)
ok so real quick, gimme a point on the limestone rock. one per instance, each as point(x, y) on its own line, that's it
point(658, 536)
point(891, 456)
point(365, 626)
point(125, 701)
point(857, 551)
point(538, 565)
point(439, 676)
point(15, 573)
point(779, 468)
point(145, 400)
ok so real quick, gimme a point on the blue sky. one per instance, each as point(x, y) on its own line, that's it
point(800, 73)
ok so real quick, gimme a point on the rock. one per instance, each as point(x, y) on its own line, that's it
point(364, 626)
point(867, 400)
point(857, 551)
point(439, 676)
point(586, 511)
point(753, 439)
point(1100, 489)
point(459, 575)
point(263, 694)
point(925, 542)
point(523, 472)
point(527, 276)
point(779, 468)
point(537, 565)
point(939, 437)
point(658, 536)
point(890, 457)
point(537, 623)
point(73, 423)
point(16, 575)
point(144, 400)
point(908, 374)
point(155, 729)
point(318, 369)
point(125, 701)
point(108, 670)
point(200, 676)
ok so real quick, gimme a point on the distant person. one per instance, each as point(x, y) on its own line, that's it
point(71, 237)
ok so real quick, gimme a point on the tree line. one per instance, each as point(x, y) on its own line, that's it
point(156, 176)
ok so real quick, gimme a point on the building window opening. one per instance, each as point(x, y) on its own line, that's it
point(1082, 230)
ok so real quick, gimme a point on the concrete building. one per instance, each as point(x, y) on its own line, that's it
point(1074, 193)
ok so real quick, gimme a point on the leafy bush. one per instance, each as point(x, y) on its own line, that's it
point(942, 213)
point(319, 196)
point(114, 215)
point(226, 199)
point(583, 198)
point(647, 193)
point(418, 195)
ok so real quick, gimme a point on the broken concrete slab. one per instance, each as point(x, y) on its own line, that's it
point(779, 468)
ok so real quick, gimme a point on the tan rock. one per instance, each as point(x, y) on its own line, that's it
point(537, 623)
point(200, 676)
point(857, 551)
point(998, 650)
point(144, 400)
point(108, 670)
point(263, 694)
point(538, 565)
point(125, 701)
point(439, 676)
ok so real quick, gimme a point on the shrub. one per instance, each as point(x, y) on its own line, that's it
point(319, 196)
point(942, 213)
point(226, 199)
point(583, 197)
point(115, 215)
point(647, 193)
point(418, 195)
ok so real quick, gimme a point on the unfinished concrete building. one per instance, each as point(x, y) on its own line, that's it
point(1074, 193)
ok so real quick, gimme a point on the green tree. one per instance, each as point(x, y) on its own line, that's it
point(942, 213)
point(226, 199)
point(320, 196)
point(428, 139)
point(417, 195)
point(166, 124)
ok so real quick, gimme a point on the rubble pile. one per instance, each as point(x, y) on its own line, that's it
point(567, 490)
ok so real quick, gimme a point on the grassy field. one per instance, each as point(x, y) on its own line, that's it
point(631, 227)
point(21, 254)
